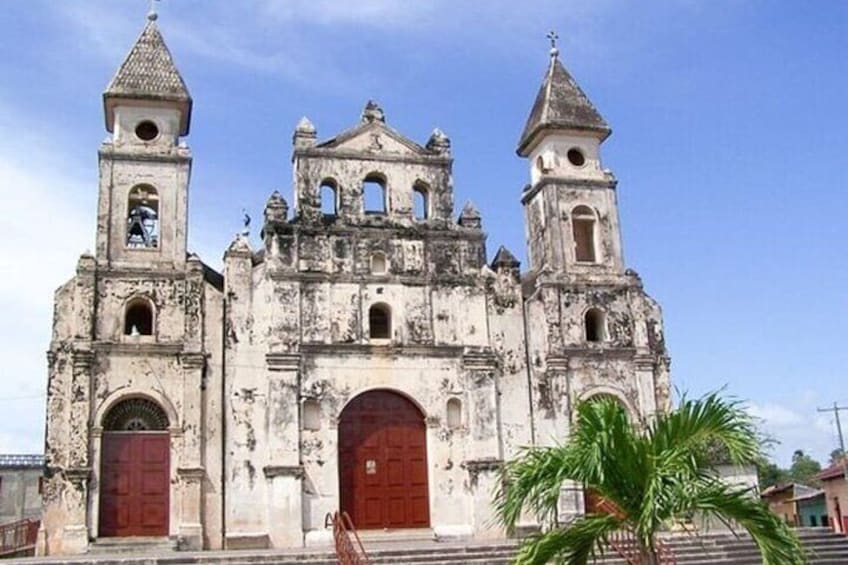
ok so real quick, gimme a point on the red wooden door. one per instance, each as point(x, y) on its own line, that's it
point(383, 462)
point(134, 484)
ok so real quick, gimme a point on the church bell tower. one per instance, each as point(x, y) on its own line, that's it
point(570, 203)
point(144, 167)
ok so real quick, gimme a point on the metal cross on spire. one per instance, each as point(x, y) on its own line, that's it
point(151, 14)
point(552, 36)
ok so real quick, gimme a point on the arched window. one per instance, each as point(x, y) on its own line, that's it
point(143, 217)
point(374, 194)
point(138, 317)
point(595, 325)
point(329, 192)
point(380, 322)
point(583, 223)
point(379, 264)
point(134, 415)
point(420, 201)
point(454, 413)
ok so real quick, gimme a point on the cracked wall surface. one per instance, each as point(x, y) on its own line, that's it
point(255, 366)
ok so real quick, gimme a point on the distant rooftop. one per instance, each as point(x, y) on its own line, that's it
point(21, 460)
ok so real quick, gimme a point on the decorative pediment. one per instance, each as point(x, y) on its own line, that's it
point(374, 137)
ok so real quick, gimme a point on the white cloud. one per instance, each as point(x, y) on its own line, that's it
point(775, 415)
point(798, 426)
point(48, 211)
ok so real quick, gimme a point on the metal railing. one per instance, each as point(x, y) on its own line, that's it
point(349, 550)
point(625, 544)
point(627, 547)
point(18, 537)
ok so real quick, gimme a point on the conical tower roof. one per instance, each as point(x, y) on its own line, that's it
point(148, 73)
point(560, 104)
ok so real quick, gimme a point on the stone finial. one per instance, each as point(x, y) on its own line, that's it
point(505, 260)
point(240, 246)
point(305, 134)
point(276, 209)
point(86, 262)
point(439, 142)
point(373, 113)
point(470, 216)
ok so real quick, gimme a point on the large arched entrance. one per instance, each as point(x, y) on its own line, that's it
point(383, 462)
point(134, 470)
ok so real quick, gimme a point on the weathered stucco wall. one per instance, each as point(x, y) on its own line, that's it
point(255, 367)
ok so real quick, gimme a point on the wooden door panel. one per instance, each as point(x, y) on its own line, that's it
point(383, 436)
point(135, 487)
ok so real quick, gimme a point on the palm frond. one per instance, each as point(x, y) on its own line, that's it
point(777, 542)
point(532, 481)
point(573, 545)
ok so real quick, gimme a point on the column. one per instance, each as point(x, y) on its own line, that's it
point(284, 472)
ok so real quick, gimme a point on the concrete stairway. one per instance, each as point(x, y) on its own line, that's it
point(824, 547)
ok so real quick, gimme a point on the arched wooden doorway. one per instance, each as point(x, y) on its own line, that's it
point(383, 462)
point(134, 471)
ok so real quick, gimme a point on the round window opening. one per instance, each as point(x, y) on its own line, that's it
point(146, 131)
point(576, 158)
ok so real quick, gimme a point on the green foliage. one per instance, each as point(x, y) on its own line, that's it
point(649, 479)
point(836, 456)
point(803, 468)
point(769, 474)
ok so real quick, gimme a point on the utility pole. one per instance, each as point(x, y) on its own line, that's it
point(836, 408)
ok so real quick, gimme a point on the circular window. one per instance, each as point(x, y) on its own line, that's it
point(576, 158)
point(146, 131)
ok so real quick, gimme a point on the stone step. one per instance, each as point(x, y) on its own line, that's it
point(824, 547)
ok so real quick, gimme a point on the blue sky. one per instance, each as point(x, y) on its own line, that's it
point(729, 144)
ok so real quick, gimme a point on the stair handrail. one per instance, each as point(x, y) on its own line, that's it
point(624, 541)
point(18, 536)
point(344, 535)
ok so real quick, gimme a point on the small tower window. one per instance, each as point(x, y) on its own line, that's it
point(583, 229)
point(329, 197)
point(420, 201)
point(379, 322)
point(454, 413)
point(143, 217)
point(138, 318)
point(595, 324)
point(576, 157)
point(146, 131)
point(374, 194)
point(379, 265)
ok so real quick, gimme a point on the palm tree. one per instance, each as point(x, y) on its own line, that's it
point(647, 478)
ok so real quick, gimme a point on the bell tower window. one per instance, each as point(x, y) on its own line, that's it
point(595, 325)
point(147, 131)
point(379, 322)
point(138, 318)
point(583, 226)
point(420, 201)
point(143, 218)
point(329, 197)
point(374, 194)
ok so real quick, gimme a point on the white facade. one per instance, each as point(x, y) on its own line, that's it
point(246, 375)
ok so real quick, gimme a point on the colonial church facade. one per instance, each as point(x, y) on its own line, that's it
point(367, 356)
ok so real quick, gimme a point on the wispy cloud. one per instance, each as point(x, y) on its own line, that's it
point(796, 426)
point(48, 218)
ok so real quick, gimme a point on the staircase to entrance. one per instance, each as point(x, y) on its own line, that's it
point(824, 547)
